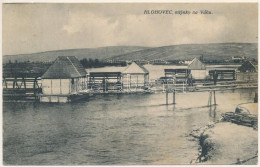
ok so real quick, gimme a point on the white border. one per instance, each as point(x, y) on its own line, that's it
point(121, 1)
point(126, 1)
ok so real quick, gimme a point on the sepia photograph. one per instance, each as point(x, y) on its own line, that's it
point(114, 83)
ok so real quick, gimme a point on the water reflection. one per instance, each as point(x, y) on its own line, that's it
point(212, 112)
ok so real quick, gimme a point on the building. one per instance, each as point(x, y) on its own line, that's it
point(135, 77)
point(223, 74)
point(187, 62)
point(247, 66)
point(198, 69)
point(238, 58)
point(141, 61)
point(65, 77)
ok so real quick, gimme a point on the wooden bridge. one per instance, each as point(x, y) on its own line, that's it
point(20, 86)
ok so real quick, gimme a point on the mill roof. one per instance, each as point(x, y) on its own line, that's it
point(65, 67)
point(135, 69)
point(247, 66)
point(196, 64)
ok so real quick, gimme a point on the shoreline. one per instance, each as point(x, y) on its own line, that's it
point(237, 145)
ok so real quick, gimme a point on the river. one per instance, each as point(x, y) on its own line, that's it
point(112, 129)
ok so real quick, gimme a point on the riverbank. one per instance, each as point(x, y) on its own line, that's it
point(228, 141)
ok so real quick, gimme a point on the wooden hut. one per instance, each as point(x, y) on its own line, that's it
point(65, 77)
point(223, 74)
point(198, 69)
point(179, 74)
point(105, 81)
point(135, 77)
point(247, 66)
point(105, 78)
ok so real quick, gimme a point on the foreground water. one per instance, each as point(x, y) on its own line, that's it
point(112, 129)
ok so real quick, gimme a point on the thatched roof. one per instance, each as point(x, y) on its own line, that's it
point(135, 69)
point(196, 64)
point(65, 67)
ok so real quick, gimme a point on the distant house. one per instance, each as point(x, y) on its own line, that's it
point(141, 61)
point(198, 69)
point(66, 76)
point(247, 66)
point(238, 58)
point(187, 61)
point(158, 62)
point(135, 76)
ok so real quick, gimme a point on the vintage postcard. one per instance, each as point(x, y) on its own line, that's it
point(130, 83)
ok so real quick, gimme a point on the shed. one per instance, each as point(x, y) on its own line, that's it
point(198, 69)
point(247, 66)
point(135, 76)
point(223, 74)
point(180, 74)
point(105, 81)
point(64, 77)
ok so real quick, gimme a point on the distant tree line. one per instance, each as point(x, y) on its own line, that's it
point(229, 61)
point(90, 63)
point(26, 67)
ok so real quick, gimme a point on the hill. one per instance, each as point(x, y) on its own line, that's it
point(100, 53)
point(219, 51)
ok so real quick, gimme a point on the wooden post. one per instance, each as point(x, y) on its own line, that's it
point(215, 97)
point(130, 82)
point(173, 97)
point(183, 87)
point(14, 83)
point(163, 86)
point(4, 81)
point(256, 97)
point(37, 83)
point(210, 98)
point(34, 86)
point(24, 83)
point(166, 97)
point(105, 85)
point(121, 85)
point(209, 101)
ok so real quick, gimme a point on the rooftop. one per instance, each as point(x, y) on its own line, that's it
point(65, 67)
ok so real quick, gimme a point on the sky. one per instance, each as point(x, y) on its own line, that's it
point(31, 28)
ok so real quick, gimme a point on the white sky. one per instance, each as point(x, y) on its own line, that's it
point(29, 28)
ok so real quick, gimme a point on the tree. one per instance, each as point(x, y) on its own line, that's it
point(84, 62)
point(96, 63)
point(201, 58)
point(90, 63)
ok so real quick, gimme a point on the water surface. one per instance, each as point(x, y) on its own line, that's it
point(112, 129)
